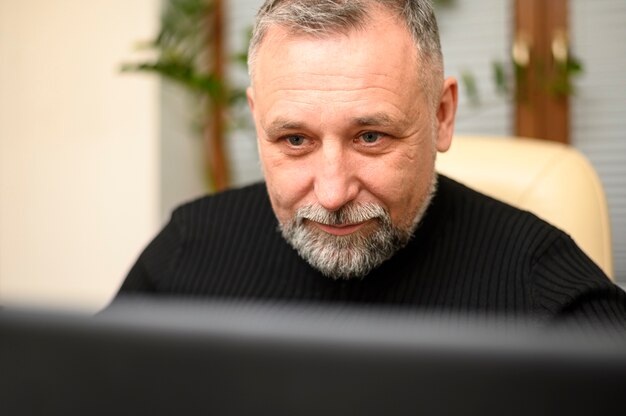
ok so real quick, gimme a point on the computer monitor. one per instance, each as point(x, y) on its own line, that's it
point(167, 357)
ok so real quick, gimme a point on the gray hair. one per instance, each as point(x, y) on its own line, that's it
point(320, 17)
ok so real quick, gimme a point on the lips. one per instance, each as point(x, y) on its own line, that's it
point(341, 229)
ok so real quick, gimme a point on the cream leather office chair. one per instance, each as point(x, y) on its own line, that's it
point(552, 180)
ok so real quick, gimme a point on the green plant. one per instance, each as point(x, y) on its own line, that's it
point(182, 46)
point(185, 49)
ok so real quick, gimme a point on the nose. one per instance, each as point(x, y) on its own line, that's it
point(335, 181)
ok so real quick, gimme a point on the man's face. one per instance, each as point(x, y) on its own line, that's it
point(344, 125)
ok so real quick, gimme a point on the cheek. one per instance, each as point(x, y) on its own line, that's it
point(402, 183)
point(287, 182)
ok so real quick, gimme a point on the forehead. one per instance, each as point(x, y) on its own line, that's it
point(381, 55)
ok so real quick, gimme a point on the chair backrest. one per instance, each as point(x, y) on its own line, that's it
point(552, 180)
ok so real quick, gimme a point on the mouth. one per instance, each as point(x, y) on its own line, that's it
point(340, 229)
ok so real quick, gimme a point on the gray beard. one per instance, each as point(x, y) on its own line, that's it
point(356, 254)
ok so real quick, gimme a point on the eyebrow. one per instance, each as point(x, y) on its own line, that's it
point(376, 119)
point(281, 125)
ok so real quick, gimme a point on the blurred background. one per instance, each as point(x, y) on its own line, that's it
point(106, 124)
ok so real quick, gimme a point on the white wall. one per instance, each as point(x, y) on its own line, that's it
point(183, 160)
point(78, 149)
point(473, 36)
point(242, 146)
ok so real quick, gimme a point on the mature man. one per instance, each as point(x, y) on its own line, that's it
point(351, 107)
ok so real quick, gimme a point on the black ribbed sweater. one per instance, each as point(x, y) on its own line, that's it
point(471, 253)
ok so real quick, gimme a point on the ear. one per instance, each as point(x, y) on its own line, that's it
point(250, 96)
point(446, 113)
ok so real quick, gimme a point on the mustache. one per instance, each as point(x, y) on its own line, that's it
point(352, 213)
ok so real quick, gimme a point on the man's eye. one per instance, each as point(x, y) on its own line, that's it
point(295, 140)
point(371, 137)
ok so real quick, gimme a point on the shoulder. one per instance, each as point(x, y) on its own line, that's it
point(224, 204)
point(536, 261)
point(231, 211)
point(459, 195)
point(493, 219)
point(223, 224)
point(566, 282)
point(255, 193)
